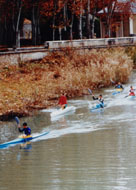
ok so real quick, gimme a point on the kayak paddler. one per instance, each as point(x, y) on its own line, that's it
point(119, 86)
point(131, 91)
point(63, 101)
point(25, 129)
point(100, 99)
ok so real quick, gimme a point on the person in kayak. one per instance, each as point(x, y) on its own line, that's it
point(100, 99)
point(131, 91)
point(25, 129)
point(119, 86)
point(63, 101)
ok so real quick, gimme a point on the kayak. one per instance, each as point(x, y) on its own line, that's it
point(62, 111)
point(119, 90)
point(97, 107)
point(131, 97)
point(21, 139)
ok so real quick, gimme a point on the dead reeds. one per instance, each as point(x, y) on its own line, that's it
point(37, 85)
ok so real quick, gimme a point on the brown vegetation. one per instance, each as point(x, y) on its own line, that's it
point(35, 85)
point(131, 51)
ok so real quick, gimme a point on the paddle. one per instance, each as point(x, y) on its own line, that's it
point(90, 91)
point(17, 120)
point(112, 81)
point(126, 96)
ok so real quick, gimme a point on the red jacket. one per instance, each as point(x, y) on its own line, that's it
point(131, 92)
point(63, 100)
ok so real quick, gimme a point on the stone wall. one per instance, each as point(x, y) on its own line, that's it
point(91, 43)
point(14, 56)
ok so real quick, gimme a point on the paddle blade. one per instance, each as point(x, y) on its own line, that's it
point(90, 91)
point(17, 120)
point(126, 96)
point(112, 81)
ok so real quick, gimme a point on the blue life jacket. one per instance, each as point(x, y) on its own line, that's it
point(119, 86)
point(27, 131)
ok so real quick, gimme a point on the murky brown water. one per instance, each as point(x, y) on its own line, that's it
point(83, 151)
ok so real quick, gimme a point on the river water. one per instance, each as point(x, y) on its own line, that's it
point(83, 151)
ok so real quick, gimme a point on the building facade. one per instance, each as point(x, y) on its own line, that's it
point(121, 25)
point(120, 28)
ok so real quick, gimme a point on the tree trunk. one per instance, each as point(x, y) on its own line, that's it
point(53, 28)
point(33, 26)
point(92, 26)
point(65, 17)
point(18, 39)
point(38, 27)
point(60, 34)
point(17, 25)
point(71, 27)
point(110, 10)
point(80, 23)
point(53, 21)
point(71, 24)
point(88, 20)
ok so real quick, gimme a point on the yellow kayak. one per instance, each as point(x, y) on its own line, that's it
point(118, 90)
point(25, 136)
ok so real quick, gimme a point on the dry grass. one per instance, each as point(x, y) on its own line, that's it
point(131, 51)
point(36, 85)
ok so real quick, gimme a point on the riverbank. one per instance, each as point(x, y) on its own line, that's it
point(36, 85)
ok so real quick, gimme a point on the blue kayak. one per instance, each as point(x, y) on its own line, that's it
point(21, 139)
point(99, 107)
point(131, 97)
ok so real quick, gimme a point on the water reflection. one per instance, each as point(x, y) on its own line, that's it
point(26, 146)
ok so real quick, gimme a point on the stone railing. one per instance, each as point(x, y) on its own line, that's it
point(91, 43)
point(14, 56)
